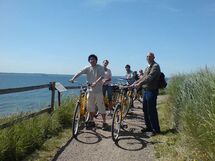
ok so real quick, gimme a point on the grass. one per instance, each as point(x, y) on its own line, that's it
point(22, 139)
point(50, 147)
point(190, 109)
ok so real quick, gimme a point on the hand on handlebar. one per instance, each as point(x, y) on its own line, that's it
point(72, 81)
point(135, 85)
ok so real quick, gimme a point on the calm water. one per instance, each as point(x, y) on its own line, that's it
point(31, 100)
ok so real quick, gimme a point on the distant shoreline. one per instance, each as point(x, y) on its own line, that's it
point(44, 74)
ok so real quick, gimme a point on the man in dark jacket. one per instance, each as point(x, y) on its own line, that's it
point(149, 83)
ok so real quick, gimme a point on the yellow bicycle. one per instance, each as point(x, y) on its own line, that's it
point(81, 115)
point(125, 102)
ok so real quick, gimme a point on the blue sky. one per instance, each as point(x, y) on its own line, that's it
point(56, 36)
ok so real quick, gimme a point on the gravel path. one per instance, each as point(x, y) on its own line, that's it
point(97, 145)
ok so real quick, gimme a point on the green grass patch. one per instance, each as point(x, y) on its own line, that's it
point(191, 111)
point(22, 139)
point(50, 147)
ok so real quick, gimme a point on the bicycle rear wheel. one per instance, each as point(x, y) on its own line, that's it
point(116, 123)
point(76, 120)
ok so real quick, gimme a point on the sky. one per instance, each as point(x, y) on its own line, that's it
point(57, 36)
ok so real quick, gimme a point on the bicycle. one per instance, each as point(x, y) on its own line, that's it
point(137, 95)
point(125, 102)
point(81, 115)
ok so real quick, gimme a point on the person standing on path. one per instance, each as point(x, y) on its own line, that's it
point(129, 75)
point(107, 88)
point(95, 74)
point(149, 83)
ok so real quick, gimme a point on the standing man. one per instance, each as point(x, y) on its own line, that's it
point(129, 75)
point(140, 73)
point(95, 74)
point(149, 82)
point(107, 88)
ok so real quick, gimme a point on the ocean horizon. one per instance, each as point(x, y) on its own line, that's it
point(32, 101)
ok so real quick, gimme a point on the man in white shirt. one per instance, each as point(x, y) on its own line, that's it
point(107, 88)
point(95, 74)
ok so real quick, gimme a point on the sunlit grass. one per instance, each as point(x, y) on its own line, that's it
point(192, 105)
point(23, 138)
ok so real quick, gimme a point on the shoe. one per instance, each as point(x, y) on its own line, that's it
point(97, 114)
point(104, 126)
point(146, 130)
point(110, 113)
point(149, 133)
point(90, 124)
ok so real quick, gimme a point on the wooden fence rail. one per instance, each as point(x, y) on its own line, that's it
point(50, 86)
point(23, 89)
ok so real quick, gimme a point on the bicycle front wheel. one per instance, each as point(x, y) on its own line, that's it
point(76, 120)
point(126, 105)
point(116, 123)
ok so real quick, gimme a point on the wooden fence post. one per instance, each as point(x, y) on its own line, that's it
point(59, 98)
point(52, 88)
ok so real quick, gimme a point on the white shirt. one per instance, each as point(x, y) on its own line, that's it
point(107, 75)
point(93, 73)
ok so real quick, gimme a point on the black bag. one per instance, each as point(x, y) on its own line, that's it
point(162, 81)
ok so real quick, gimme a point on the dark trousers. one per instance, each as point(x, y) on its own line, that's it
point(150, 110)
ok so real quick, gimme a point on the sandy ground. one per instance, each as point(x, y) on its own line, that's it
point(97, 145)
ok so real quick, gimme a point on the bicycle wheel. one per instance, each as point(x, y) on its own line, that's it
point(76, 120)
point(86, 114)
point(126, 105)
point(116, 123)
point(115, 98)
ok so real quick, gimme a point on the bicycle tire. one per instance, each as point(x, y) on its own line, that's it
point(86, 114)
point(116, 123)
point(126, 105)
point(76, 120)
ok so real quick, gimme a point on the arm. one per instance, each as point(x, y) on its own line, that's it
point(154, 72)
point(97, 81)
point(77, 75)
point(74, 77)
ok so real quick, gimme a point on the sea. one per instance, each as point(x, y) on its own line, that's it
point(35, 100)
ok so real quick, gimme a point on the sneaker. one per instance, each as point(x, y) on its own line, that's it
point(90, 124)
point(149, 133)
point(96, 115)
point(104, 126)
point(110, 113)
point(124, 125)
point(145, 130)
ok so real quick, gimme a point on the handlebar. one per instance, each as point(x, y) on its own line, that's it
point(86, 85)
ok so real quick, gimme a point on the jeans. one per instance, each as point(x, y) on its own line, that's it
point(150, 110)
point(109, 90)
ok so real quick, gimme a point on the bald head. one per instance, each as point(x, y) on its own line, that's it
point(150, 57)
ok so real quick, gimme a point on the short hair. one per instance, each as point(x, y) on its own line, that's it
point(92, 56)
point(127, 66)
point(151, 54)
point(106, 61)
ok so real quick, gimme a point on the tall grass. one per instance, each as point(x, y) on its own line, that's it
point(193, 99)
point(21, 139)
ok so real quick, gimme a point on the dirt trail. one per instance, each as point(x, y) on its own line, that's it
point(97, 145)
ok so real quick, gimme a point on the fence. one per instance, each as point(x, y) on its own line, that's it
point(51, 86)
